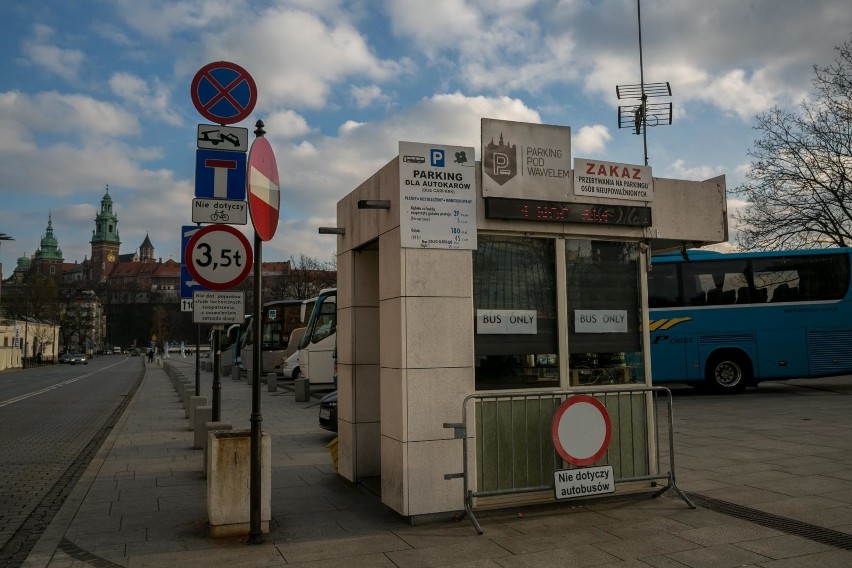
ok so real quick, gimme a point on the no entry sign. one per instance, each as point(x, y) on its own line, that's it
point(223, 92)
point(581, 430)
point(264, 195)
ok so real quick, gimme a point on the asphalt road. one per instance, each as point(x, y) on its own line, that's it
point(52, 421)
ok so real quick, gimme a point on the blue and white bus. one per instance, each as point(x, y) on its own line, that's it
point(730, 320)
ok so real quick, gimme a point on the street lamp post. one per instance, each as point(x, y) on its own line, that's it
point(3, 237)
point(26, 318)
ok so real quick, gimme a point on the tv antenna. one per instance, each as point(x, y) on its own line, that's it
point(644, 114)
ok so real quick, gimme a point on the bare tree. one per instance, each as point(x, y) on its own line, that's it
point(798, 185)
point(307, 277)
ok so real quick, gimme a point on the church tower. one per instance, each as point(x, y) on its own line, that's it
point(47, 260)
point(105, 242)
point(146, 250)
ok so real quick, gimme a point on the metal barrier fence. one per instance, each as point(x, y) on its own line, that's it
point(513, 442)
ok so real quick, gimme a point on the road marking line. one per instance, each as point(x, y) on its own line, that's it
point(53, 387)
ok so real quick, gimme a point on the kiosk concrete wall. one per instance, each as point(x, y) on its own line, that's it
point(406, 332)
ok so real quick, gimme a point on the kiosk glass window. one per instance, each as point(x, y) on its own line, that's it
point(604, 312)
point(514, 297)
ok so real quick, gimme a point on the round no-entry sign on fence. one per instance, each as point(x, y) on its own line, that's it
point(581, 430)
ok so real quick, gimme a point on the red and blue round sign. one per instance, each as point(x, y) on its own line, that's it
point(223, 92)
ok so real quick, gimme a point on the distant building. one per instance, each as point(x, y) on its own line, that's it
point(120, 299)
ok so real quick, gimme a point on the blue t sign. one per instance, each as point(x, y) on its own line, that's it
point(220, 175)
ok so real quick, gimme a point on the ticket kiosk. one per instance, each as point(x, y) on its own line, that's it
point(522, 271)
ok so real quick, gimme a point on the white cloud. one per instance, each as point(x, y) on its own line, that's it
point(433, 25)
point(78, 115)
point(161, 19)
point(679, 169)
point(113, 33)
point(151, 96)
point(367, 96)
point(286, 124)
point(65, 63)
point(296, 57)
point(590, 140)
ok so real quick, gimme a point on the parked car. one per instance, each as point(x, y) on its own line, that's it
point(73, 358)
point(328, 411)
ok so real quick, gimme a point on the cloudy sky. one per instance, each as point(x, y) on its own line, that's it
point(97, 92)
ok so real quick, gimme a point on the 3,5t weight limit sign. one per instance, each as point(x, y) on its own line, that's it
point(218, 257)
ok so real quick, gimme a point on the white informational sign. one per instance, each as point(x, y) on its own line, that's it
point(568, 483)
point(218, 307)
point(186, 305)
point(596, 178)
point(506, 322)
point(229, 211)
point(218, 137)
point(600, 321)
point(437, 204)
point(525, 161)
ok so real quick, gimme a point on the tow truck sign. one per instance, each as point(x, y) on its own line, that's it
point(216, 137)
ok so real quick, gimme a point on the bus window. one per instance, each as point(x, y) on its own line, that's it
point(663, 289)
point(326, 323)
point(714, 282)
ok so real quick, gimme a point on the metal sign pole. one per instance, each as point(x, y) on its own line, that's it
point(217, 378)
point(198, 359)
point(255, 531)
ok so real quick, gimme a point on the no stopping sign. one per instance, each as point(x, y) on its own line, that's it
point(581, 430)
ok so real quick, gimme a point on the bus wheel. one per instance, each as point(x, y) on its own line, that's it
point(298, 375)
point(727, 373)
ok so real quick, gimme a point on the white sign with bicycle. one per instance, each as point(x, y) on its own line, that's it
point(228, 211)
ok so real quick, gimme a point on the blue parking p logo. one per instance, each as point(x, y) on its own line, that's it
point(436, 157)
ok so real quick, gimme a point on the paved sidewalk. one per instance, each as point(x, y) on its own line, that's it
point(142, 501)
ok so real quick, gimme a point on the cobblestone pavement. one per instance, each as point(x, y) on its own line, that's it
point(47, 439)
point(779, 452)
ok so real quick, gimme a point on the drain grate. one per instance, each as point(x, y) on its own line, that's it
point(789, 526)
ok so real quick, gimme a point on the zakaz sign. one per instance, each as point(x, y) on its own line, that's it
point(596, 178)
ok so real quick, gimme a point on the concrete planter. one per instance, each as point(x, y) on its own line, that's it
point(228, 482)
